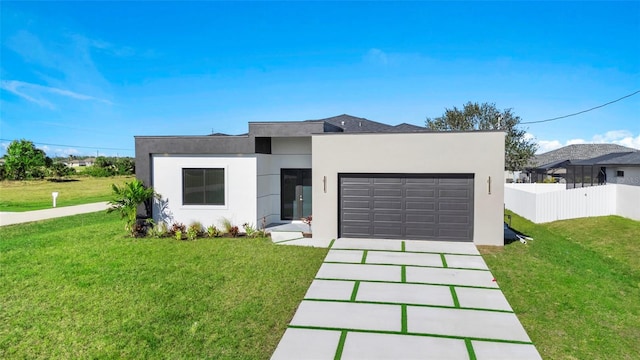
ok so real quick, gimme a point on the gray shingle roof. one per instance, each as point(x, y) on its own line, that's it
point(578, 152)
point(350, 123)
point(632, 159)
point(599, 160)
point(404, 127)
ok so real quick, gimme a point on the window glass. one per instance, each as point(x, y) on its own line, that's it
point(203, 186)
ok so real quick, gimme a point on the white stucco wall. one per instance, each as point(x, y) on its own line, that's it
point(478, 153)
point(631, 175)
point(286, 153)
point(240, 188)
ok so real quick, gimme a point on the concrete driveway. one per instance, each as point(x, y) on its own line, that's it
point(392, 299)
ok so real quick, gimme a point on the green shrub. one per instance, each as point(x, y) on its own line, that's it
point(126, 200)
point(234, 231)
point(194, 230)
point(97, 171)
point(213, 231)
point(175, 227)
point(157, 230)
point(227, 226)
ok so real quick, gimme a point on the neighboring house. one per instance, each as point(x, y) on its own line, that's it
point(554, 164)
point(80, 162)
point(623, 169)
point(359, 178)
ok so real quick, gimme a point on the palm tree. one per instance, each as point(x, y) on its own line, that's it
point(127, 198)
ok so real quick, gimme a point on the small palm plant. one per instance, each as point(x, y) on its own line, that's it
point(127, 198)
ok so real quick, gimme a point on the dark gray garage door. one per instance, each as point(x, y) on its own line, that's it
point(422, 207)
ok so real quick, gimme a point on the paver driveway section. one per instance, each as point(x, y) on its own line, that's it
point(393, 299)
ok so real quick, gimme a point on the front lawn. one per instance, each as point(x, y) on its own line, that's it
point(576, 286)
point(36, 194)
point(78, 287)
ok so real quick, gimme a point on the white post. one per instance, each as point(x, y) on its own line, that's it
point(55, 196)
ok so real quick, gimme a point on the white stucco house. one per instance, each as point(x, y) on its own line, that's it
point(359, 178)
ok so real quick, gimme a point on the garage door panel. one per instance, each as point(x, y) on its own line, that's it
point(387, 205)
point(356, 181)
point(387, 217)
point(356, 216)
point(358, 192)
point(389, 231)
point(387, 192)
point(421, 193)
point(454, 181)
point(450, 233)
point(420, 181)
point(452, 206)
point(452, 219)
point(387, 181)
point(416, 206)
point(358, 231)
point(453, 193)
point(423, 219)
point(356, 204)
point(417, 233)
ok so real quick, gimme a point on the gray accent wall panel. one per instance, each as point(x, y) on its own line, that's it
point(409, 206)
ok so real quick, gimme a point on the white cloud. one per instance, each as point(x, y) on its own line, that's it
point(576, 141)
point(65, 152)
point(35, 93)
point(620, 137)
point(377, 56)
point(630, 141)
point(545, 145)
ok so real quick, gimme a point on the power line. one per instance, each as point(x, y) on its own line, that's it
point(76, 146)
point(581, 112)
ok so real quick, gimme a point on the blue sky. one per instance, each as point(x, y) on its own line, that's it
point(88, 76)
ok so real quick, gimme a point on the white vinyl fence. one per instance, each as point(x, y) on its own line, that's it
point(549, 202)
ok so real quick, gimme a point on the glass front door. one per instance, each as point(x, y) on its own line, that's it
point(295, 193)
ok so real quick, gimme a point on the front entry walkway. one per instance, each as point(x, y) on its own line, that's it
point(391, 299)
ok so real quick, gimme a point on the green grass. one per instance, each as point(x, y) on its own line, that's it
point(78, 287)
point(575, 287)
point(36, 194)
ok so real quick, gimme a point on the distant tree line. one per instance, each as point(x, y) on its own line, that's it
point(24, 161)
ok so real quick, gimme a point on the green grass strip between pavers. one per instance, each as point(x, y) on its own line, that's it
point(472, 353)
point(403, 328)
point(364, 257)
point(418, 266)
point(412, 333)
point(412, 282)
point(444, 261)
point(403, 274)
point(400, 304)
point(343, 337)
point(354, 293)
point(456, 303)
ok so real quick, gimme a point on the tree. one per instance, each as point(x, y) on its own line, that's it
point(485, 116)
point(126, 200)
point(58, 170)
point(24, 161)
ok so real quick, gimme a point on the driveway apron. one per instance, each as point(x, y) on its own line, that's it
point(392, 299)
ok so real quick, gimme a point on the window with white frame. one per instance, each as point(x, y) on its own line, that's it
point(203, 186)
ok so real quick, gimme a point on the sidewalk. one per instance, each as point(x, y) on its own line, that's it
point(392, 299)
point(10, 218)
